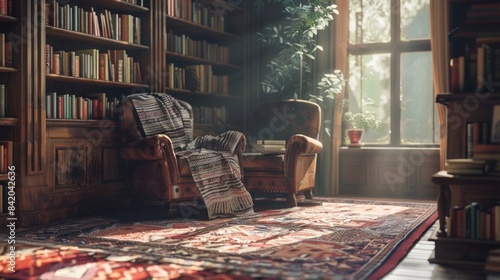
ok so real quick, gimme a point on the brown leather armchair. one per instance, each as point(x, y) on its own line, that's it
point(156, 172)
point(298, 122)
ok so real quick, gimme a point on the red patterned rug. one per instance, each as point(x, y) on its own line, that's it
point(342, 238)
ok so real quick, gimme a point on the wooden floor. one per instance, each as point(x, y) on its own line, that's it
point(416, 266)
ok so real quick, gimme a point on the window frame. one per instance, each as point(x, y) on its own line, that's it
point(395, 48)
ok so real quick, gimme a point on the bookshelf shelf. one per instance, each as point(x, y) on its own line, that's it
point(8, 121)
point(80, 123)
point(199, 30)
point(5, 18)
point(485, 98)
point(7, 70)
point(94, 82)
point(217, 66)
point(118, 5)
point(211, 96)
point(62, 33)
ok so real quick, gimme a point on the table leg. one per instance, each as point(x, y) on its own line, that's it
point(443, 202)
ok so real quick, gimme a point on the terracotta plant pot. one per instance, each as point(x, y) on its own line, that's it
point(355, 135)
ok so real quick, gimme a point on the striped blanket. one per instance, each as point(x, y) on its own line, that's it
point(214, 168)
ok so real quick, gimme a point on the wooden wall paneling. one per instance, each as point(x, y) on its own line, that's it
point(388, 172)
point(394, 179)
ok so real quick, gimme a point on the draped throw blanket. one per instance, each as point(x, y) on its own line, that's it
point(215, 170)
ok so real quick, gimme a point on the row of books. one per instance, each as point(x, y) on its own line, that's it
point(268, 146)
point(482, 13)
point(474, 221)
point(5, 51)
point(122, 27)
point(6, 7)
point(3, 100)
point(95, 106)
point(196, 12)
point(209, 115)
point(478, 69)
point(198, 78)
point(474, 166)
point(185, 45)
point(113, 65)
point(5, 156)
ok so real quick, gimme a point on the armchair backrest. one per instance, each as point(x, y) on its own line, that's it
point(283, 118)
point(129, 123)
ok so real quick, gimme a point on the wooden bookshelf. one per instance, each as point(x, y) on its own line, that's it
point(9, 77)
point(60, 33)
point(469, 115)
point(93, 82)
point(200, 31)
point(233, 101)
point(71, 167)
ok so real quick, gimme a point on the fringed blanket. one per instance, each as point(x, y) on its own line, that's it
point(162, 114)
point(215, 171)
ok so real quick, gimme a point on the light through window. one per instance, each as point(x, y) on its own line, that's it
point(390, 64)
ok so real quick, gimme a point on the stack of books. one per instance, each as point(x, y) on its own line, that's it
point(492, 161)
point(269, 146)
point(466, 166)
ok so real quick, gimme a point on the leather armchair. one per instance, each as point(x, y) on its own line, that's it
point(156, 172)
point(298, 122)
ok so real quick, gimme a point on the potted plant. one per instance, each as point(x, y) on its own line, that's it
point(357, 123)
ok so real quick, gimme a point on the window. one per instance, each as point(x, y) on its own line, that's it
point(390, 64)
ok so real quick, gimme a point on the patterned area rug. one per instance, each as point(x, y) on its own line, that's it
point(339, 239)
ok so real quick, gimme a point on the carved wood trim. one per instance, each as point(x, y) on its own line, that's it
point(33, 35)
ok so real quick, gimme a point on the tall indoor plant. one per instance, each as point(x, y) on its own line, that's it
point(289, 72)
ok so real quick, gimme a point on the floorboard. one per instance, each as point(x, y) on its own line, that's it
point(415, 265)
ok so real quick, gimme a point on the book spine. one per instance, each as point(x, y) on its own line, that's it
point(496, 215)
point(2, 100)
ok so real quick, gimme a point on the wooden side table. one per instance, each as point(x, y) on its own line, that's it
point(444, 180)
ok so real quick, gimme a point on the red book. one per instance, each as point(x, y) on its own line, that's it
point(85, 109)
point(1, 159)
point(55, 63)
point(95, 109)
point(3, 7)
point(48, 17)
point(60, 106)
point(124, 25)
point(7, 155)
point(102, 67)
point(8, 54)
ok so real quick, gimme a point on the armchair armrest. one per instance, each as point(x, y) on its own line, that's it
point(158, 147)
point(303, 144)
point(300, 145)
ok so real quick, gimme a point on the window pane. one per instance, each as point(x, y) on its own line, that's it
point(369, 21)
point(369, 77)
point(415, 19)
point(418, 112)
